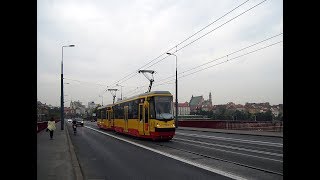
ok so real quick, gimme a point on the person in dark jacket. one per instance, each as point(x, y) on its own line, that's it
point(74, 125)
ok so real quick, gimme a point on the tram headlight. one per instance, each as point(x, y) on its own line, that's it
point(158, 125)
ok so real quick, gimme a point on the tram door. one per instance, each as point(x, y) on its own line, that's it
point(109, 119)
point(112, 118)
point(104, 118)
point(125, 118)
point(146, 121)
point(141, 120)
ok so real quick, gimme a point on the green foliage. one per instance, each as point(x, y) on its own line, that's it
point(267, 116)
point(279, 117)
point(224, 114)
point(54, 112)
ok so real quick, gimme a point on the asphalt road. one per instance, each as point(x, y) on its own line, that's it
point(254, 156)
point(103, 156)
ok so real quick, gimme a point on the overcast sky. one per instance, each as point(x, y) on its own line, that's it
point(114, 38)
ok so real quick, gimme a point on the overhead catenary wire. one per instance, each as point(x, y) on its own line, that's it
point(210, 32)
point(175, 46)
point(134, 73)
point(85, 83)
point(135, 90)
point(80, 81)
point(197, 38)
point(232, 58)
point(221, 57)
point(168, 82)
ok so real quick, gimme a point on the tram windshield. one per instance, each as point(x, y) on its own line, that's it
point(163, 107)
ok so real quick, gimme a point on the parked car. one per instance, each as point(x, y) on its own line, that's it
point(69, 120)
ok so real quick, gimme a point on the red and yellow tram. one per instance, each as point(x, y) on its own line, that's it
point(148, 115)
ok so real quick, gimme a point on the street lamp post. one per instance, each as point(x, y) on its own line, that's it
point(176, 123)
point(62, 97)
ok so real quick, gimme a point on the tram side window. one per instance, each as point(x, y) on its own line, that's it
point(115, 111)
point(120, 111)
point(151, 106)
point(141, 115)
point(103, 114)
point(130, 105)
point(135, 109)
point(99, 114)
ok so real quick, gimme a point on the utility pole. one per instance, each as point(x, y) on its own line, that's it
point(176, 122)
point(62, 96)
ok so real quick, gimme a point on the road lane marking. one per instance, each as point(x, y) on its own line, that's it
point(235, 152)
point(223, 173)
point(233, 147)
point(234, 139)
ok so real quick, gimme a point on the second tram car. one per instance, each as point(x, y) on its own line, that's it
point(148, 115)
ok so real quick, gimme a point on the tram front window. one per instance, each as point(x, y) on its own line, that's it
point(163, 106)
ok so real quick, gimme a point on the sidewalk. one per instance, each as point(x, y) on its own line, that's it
point(56, 158)
point(256, 133)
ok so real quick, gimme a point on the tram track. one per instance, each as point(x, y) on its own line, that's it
point(234, 147)
point(237, 144)
point(247, 161)
point(220, 159)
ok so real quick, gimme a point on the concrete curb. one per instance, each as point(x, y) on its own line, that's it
point(225, 132)
point(74, 159)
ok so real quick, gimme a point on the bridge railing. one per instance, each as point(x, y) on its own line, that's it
point(215, 124)
point(233, 125)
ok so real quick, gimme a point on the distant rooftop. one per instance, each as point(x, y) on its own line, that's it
point(195, 100)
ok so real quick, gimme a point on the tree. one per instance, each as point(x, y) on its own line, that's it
point(279, 117)
point(54, 112)
point(264, 116)
point(240, 115)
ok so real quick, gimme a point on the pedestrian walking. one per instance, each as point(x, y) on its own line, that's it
point(51, 126)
